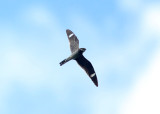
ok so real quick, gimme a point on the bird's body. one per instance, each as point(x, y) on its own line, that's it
point(73, 56)
point(77, 54)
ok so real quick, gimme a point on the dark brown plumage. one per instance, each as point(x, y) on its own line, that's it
point(77, 54)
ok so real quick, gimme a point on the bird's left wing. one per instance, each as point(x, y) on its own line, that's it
point(87, 66)
point(73, 40)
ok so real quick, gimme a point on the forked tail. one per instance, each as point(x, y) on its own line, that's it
point(62, 62)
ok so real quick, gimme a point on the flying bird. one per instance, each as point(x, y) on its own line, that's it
point(77, 54)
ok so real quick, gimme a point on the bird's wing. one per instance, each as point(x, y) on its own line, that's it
point(87, 66)
point(74, 42)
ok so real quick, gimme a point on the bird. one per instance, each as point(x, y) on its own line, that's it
point(77, 55)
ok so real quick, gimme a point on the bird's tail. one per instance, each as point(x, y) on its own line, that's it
point(63, 62)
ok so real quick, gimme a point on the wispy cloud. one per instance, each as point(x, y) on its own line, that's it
point(151, 20)
point(30, 57)
point(144, 98)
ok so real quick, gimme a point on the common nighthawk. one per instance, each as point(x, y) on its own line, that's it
point(77, 54)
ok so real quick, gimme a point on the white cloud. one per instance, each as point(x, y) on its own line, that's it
point(18, 63)
point(129, 5)
point(151, 20)
point(18, 66)
point(144, 99)
point(144, 96)
point(38, 15)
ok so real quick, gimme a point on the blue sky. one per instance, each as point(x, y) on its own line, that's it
point(122, 38)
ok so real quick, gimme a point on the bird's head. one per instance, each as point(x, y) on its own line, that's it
point(82, 49)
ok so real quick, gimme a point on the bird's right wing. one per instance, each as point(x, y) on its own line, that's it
point(87, 66)
point(74, 42)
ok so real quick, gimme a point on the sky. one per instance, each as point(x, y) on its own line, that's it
point(122, 38)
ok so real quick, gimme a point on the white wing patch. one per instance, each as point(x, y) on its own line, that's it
point(92, 75)
point(71, 35)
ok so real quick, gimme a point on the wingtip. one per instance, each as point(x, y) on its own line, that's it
point(68, 32)
point(95, 80)
point(96, 84)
